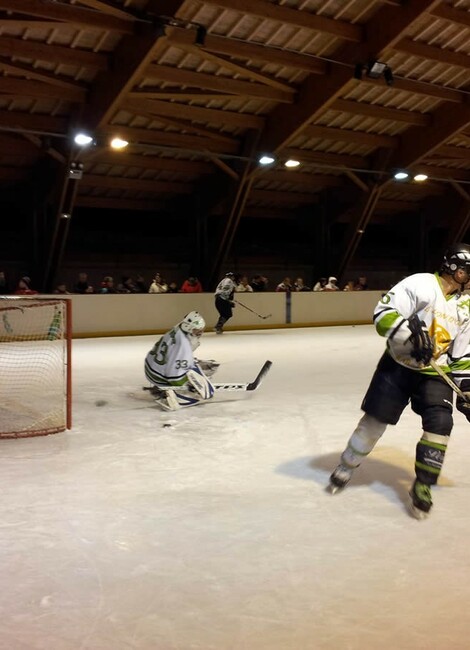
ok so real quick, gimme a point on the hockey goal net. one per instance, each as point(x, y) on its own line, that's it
point(35, 362)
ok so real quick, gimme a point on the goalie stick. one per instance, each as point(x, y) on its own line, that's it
point(252, 311)
point(252, 385)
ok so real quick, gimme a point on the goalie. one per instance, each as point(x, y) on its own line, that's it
point(178, 379)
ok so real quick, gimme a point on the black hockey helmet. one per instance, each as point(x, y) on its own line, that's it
point(230, 275)
point(456, 257)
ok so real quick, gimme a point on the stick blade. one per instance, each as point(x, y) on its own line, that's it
point(261, 375)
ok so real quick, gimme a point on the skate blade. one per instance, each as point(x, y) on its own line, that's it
point(416, 513)
point(331, 488)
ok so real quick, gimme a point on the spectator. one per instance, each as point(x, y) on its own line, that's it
point(243, 285)
point(127, 285)
point(62, 289)
point(24, 287)
point(4, 287)
point(158, 285)
point(107, 286)
point(331, 285)
point(259, 283)
point(300, 286)
point(191, 285)
point(82, 285)
point(173, 288)
point(350, 286)
point(141, 285)
point(320, 285)
point(361, 283)
point(285, 285)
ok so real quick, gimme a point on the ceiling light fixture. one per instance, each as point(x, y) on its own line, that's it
point(118, 143)
point(419, 178)
point(400, 175)
point(83, 139)
point(291, 163)
point(266, 160)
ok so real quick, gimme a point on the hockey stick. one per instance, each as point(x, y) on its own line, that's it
point(253, 312)
point(252, 385)
point(449, 381)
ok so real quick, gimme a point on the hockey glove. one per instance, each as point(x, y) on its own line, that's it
point(464, 405)
point(420, 340)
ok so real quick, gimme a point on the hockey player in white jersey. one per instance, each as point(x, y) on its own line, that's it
point(178, 378)
point(224, 300)
point(424, 317)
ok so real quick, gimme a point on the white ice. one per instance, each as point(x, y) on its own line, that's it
point(216, 533)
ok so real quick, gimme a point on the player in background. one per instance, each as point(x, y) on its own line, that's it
point(224, 300)
point(178, 378)
point(423, 317)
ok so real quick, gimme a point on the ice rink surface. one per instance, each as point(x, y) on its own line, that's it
point(216, 533)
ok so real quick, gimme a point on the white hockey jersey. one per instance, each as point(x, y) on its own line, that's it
point(225, 288)
point(446, 317)
point(170, 359)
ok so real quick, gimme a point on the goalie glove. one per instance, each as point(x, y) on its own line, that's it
point(209, 367)
point(422, 348)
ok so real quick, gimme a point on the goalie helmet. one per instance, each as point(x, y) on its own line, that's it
point(193, 323)
point(456, 257)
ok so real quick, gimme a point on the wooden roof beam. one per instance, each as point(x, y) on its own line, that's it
point(250, 51)
point(288, 16)
point(196, 113)
point(182, 77)
point(453, 15)
point(107, 203)
point(17, 121)
point(348, 135)
point(118, 159)
point(300, 179)
point(78, 16)
point(326, 159)
point(317, 95)
point(381, 112)
point(27, 49)
point(38, 89)
point(137, 184)
point(284, 198)
point(167, 139)
point(425, 51)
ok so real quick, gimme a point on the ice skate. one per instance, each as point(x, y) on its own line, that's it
point(421, 501)
point(340, 478)
point(218, 330)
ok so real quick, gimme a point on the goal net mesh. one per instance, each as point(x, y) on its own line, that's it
point(34, 386)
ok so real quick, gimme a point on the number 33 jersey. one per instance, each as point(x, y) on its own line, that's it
point(170, 359)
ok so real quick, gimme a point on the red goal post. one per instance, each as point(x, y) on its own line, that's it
point(36, 366)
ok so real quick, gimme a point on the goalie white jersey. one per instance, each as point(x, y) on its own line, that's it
point(169, 360)
point(446, 317)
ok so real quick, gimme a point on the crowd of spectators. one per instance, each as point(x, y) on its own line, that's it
point(127, 284)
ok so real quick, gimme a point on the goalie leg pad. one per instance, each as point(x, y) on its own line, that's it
point(174, 401)
point(199, 382)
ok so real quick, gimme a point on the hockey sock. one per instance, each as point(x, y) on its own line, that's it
point(430, 452)
point(363, 440)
